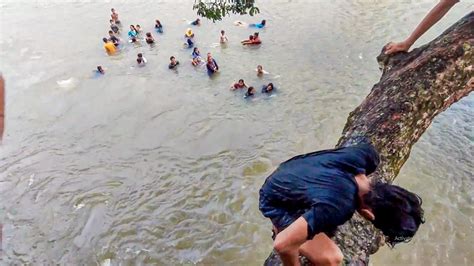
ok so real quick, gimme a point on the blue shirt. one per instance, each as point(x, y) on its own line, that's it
point(258, 25)
point(132, 33)
point(194, 54)
point(318, 186)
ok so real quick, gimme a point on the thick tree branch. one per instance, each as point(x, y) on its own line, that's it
point(413, 89)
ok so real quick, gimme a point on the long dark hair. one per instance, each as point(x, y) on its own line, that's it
point(398, 212)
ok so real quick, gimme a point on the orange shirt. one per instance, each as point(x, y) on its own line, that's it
point(109, 47)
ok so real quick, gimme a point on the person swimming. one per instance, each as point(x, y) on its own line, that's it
point(100, 70)
point(189, 33)
point(259, 25)
point(197, 22)
point(149, 39)
point(239, 85)
point(109, 46)
point(132, 32)
point(268, 88)
point(256, 38)
point(211, 65)
point(158, 26)
point(260, 71)
point(115, 16)
point(253, 40)
point(189, 43)
point(250, 92)
point(249, 41)
point(196, 53)
point(223, 38)
point(113, 38)
point(114, 26)
point(173, 63)
point(141, 60)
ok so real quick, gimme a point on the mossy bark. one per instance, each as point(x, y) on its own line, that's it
point(413, 89)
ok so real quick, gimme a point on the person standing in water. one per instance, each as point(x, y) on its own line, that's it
point(115, 16)
point(114, 26)
point(223, 38)
point(132, 33)
point(189, 43)
point(260, 71)
point(428, 21)
point(309, 196)
point(149, 39)
point(141, 60)
point(173, 63)
point(189, 33)
point(196, 53)
point(158, 26)
point(138, 29)
point(113, 38)
point(109, 46)
point(211, 65)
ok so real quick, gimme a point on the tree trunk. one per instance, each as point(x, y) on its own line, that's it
point(413, 89)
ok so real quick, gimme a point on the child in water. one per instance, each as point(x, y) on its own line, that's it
point(249, 41)
point(109, 46)
point(189, 43)
point(100, 70)
point(256, 39)
point(260, 71)
point(189, 33)
point(250, 92)
point(114, 16)
point(138, 29)
point(268, 88)
point(239, 85)
point(173, 63)
point(259, 25)
point(196, 53)
point(158, 26)
point(141, 60)
point(113, 38)
point(197, 22)
point(196, 61)
point(132, 33)
point(149, 39)
point(114, 26)
point(223, 38)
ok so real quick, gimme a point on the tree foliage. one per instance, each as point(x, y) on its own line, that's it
point(218, 9)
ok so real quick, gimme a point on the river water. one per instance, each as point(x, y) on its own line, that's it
point(151, 166)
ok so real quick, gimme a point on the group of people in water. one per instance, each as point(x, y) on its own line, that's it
point(113, 43)
point(266, 89)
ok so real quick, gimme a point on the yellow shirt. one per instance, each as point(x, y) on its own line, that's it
point(110, 47)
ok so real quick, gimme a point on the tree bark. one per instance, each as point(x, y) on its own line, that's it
point(413, 89)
